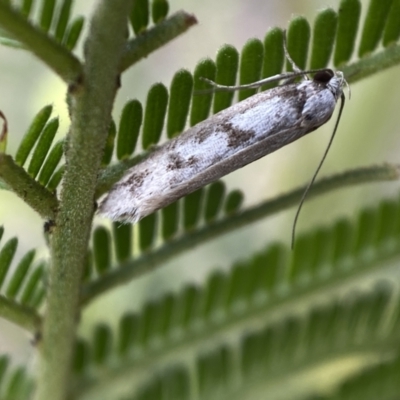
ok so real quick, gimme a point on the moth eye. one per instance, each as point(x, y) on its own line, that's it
point(323, 76)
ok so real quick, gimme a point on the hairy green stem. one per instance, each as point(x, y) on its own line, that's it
point(91, 105)
point(25, 317)
point(23, 185)
point(52, 53)
point(156, 37)
point(150, 261)
point(372, 64)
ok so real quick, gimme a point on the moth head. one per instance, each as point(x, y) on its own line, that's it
point(334, 81)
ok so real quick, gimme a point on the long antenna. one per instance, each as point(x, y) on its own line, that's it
point(342, 98)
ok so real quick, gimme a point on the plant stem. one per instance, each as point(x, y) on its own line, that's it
point(156, 37)
point(25, 317)
point(91, 105)
point(372, 64)
point(32, 192)
point(56, 56)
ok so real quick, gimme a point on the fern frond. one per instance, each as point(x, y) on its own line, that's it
point(53, 18)
point(153, 122)
point(44, 160)
point(32, 134)
point(179, 101)
point(324, 33)
point(139, 17)
point(20, 287)
point(377, 381)
point(164, 30)
point(252, 55)
point(38, 41)
point(261, 351)
point(391, 33)
point(128, 130)
point(14, 383)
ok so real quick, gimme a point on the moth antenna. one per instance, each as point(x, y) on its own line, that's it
point(286, 76)
point(342, 97)
point(296, 69)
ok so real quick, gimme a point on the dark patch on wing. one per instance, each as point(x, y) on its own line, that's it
point(177, 162)
point(202, 135)
point(295, 97)
point(236, 137)
point(135, 180)
point(192, 160)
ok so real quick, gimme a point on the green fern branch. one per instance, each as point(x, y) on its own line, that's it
point(367, 383)
point(56, 56)
point(19, 299)
point(32, 192)
point(266, 355)
point(156, 37)
point(15, 383)
point(269, 285)
point(23, 316)
point(372, 64)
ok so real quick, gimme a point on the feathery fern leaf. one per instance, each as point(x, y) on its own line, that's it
point(128, 130)
point(159, 10)
point(21, 288)
point(272, 282)
point(139, 17)
point(73, 33)
point(53, 18)
point(324, 32)
point(32, 135)
point(14, 383)
point(201, 105)
point(44, 158)
point(378, 381)
point(179, 101)
point(251, 60)
point(363, 324)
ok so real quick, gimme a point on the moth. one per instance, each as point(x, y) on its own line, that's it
point(230, 139)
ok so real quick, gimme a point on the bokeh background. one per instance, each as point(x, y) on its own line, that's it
point(368, 134)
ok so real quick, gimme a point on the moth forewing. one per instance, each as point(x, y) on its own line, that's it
point(229, 140)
